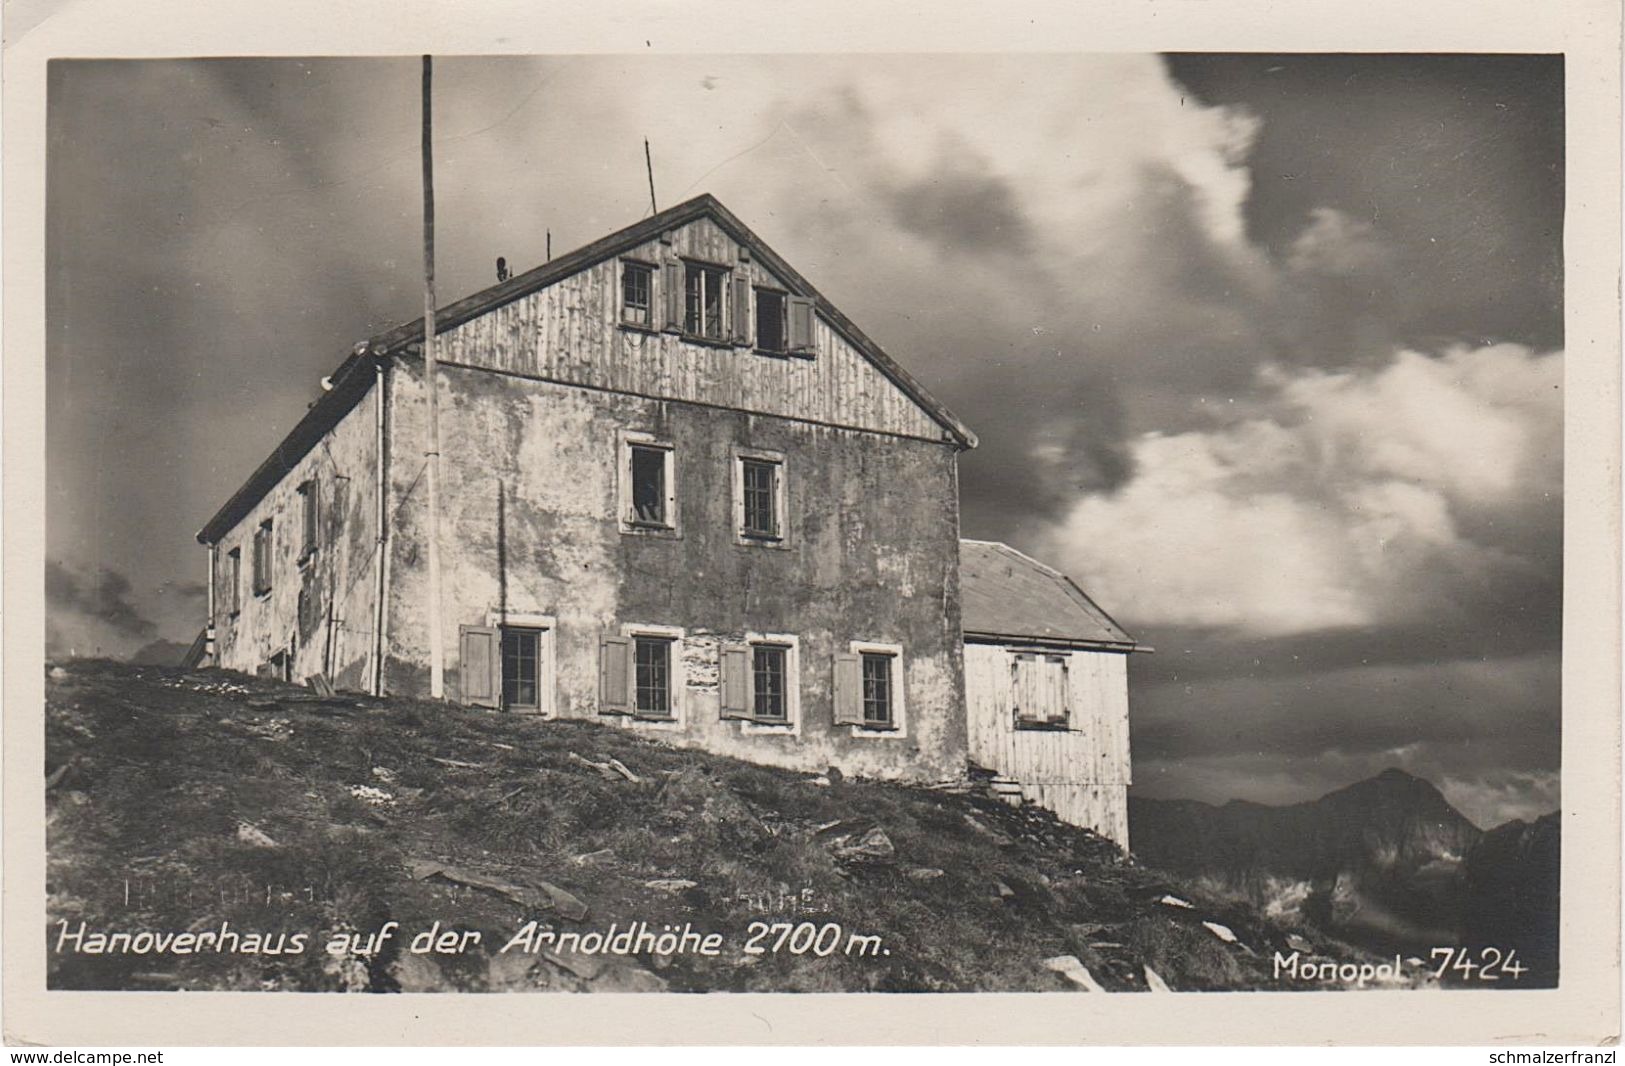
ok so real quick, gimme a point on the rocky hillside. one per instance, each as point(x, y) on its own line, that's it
point(213, 831)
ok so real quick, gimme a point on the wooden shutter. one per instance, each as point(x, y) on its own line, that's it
point(671, 291)
point(801, 324)
point(614, 674)
point(480, 670)
point(1025, 695)
point(736, 683)
point(848, 689)
point(741, 307)
point(1056, 681)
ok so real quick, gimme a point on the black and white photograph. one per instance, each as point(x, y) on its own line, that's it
point(1078, 522)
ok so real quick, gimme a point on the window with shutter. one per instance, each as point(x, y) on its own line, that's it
point(671, 289)
point(770, 700)
point(877, 690)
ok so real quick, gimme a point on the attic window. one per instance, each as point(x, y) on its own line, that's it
point(637, 294)
point(771, 332)
point(704, 292)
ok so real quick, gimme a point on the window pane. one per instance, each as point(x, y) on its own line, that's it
point(635, 294)
point(653, 675)
point(877, 688)
point(649, 484)
point(693, 298)
point(760, 485)
point(768, 666)
point(770, 321)
point(713, 303)
point(520, 667)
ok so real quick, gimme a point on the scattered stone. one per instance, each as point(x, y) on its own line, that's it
point(1155, 983)
point(253, 836)
point(416, 973)
point(375, 797)
point(871, 846)
point(619, 767)
point(925, 873)
point(625, 977)
point(1221, 931)
point(384, 774)
point(1174, 901)
point(537, 896)
point(1298, 943)
point(57, 673)
point(673, 885)
point(592, 856)
point(1069, 967)
point(834, 774)
point(821, 781)
point(1004, 890)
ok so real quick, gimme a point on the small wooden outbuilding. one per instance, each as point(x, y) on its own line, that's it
point(1046, 687)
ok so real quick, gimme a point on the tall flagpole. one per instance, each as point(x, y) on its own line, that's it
point(431, 366)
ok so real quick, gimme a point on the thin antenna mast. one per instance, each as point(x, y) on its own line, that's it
point(431, 369)
point(648, 163)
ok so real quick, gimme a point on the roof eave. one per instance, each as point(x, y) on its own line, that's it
point(1118, 646)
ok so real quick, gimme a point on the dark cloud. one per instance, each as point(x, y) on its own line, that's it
point(963, 208)
point(103, 596)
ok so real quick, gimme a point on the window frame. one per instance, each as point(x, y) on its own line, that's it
point(723, 272)
point(626, 519)
point(1044, 657)
point(234, 570)
point(264, 557)
point(677, 675)
point(310, 533)
point(899, 703)
point(781, 496)
point(791, 724)
point(783, 297)
point(547, 679)
point(650, 272)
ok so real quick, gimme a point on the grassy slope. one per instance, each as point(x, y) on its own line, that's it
point(180, 800)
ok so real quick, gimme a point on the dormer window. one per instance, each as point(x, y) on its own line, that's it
point(704, 292)
point(637, 294)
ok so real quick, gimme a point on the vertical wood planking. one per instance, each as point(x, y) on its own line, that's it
point(570, 332)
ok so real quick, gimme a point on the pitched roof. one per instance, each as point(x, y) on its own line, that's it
point(521, 285)
point(1006, 594)
point(356, 371)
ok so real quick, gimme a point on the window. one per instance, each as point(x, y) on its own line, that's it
point(761, 497)
point(652, 676)
point(877, 690)
point(703, 296)
point(262, 558)
point(234, 577)
point(1040, 687)
point(649, 484)
point(869, 688)
point(771, 332)
point(637, 294)
point(521, 668)
point(769, 677)
point(309, 505)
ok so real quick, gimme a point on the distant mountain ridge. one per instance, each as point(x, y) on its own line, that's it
point(1386, 861)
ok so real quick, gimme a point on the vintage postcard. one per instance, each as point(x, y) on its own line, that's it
point(913, 539)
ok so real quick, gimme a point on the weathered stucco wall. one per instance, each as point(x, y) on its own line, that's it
point(1081, 773)
point(334, 635)
point(530, 526)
